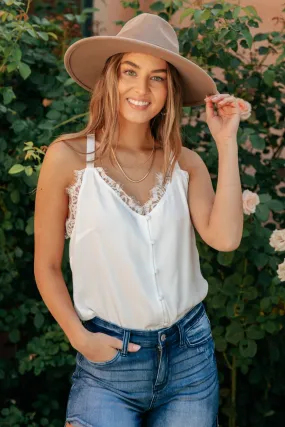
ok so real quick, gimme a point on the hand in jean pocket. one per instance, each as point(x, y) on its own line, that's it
point(100, 347)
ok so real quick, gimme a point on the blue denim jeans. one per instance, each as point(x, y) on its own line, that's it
point(172, 381)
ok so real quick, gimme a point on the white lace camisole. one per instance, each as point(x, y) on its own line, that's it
point(133, 265)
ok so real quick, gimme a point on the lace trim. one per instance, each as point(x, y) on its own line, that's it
point(73, 192)
point(155, 195)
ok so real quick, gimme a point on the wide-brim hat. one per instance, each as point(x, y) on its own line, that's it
point(84, 60)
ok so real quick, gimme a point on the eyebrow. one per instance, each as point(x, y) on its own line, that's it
point(162, 70)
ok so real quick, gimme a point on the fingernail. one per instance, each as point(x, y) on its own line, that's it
point(136, 346)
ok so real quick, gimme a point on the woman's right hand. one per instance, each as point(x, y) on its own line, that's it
point(100, 347)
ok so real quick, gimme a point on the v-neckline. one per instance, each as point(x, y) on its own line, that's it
point(116, 187)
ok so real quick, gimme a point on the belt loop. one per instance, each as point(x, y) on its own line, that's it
point(181, 335)
point(126, 340)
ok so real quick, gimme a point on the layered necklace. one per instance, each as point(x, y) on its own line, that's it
point(122, 170)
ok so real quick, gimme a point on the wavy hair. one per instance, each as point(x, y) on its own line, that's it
point(104, 112)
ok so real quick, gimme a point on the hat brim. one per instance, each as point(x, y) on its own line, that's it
point(84, 61)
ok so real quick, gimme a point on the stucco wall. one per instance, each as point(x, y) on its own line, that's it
point(112, 10)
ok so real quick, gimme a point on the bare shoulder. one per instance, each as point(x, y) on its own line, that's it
point(66, 156)
point(189, 160)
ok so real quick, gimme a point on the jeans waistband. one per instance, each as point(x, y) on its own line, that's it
point(150, 338)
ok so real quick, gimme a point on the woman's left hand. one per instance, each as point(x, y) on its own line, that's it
point(224, 123)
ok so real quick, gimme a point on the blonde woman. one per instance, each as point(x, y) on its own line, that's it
point(128, 195)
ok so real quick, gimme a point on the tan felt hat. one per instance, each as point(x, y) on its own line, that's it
point(84, 60)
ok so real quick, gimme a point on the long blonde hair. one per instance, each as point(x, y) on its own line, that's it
point(104, 109)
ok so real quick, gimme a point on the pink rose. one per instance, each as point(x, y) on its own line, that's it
point(245, 108)
point(250, 201)
point(277, 240)
point(281, 271)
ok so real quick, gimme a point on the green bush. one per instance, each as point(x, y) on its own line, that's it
point(38, 101)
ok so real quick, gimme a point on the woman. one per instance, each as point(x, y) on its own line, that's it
point(145, 351)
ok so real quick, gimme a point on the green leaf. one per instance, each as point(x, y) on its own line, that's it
point(30, 226)
point(205, 14)
point(247, 35)
point(219, 301)
point(236, 12)
point(42, 35)
point(12, 66)
point(15, 196)
point(271, 327)
point(90, 10)
point(262, 212)
point(16, 169)
point(260, 259)
point(185, 13)
point(220, 344)
point(14, 336)
point(248, 348)
point(39, 320)
point(265, 303)
point(254, 332)
point(16, 55)
point(265, 197)
point(8, 95)
point(53, 35)
point(198, 15)
point(32, 33)
point(225, 258)
point(269, 77)
point(24, 70)
point(235, 333)
point(158, 6)
point(257, 142)
point(29, 170)
point(275, 205)
point(250, 293)
point(250, 11)
point(54, 115)
point(218, 330)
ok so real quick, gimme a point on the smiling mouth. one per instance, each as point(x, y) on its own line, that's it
point(138, 105)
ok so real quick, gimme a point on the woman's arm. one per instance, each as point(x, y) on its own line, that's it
point(218, 218)
point(51, 209)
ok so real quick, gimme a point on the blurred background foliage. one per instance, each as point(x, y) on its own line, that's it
point(38, 102)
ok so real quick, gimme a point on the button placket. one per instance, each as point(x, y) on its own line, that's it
point(155, 269)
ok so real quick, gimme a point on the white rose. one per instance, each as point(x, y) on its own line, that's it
point(277, 240)
point(281, 271)
point(250, 201)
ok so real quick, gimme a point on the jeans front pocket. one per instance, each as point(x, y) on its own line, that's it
point(199, 333)
point(82, 358)
point(91, 327)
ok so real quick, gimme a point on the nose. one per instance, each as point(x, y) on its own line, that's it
point(142, 85)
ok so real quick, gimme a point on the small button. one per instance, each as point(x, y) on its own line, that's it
point(164, 323)
point(152, 242)
point(148, 218)
point(160, 297)
point(163, 337)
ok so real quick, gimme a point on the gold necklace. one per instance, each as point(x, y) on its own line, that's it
point(139, 164)
point(132, 180)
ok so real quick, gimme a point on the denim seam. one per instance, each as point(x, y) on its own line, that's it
point(196, 320)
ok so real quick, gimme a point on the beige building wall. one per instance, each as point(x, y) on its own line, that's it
point(112, 10)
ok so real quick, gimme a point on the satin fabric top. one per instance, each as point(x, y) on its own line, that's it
point(137, 271)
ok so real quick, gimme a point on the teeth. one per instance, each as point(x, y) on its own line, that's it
point(132, 101)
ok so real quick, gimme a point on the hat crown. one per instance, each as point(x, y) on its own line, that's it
point(149, 28)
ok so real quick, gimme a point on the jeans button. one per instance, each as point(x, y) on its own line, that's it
point(163, 337)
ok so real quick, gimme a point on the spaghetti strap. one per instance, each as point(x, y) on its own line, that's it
point(90, 149)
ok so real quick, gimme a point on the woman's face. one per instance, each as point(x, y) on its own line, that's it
point(141, 77)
